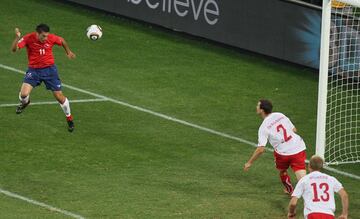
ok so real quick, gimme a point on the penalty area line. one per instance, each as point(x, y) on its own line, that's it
point(34, 202)
point(183, 122)
point(54, 102)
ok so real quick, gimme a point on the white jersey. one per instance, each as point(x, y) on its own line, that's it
point(317, 189)
point(278, 129)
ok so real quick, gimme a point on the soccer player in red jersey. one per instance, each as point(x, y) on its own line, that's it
point(289, 148)
point(41, 67)
point(317, 190)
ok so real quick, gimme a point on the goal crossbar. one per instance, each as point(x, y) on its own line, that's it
point(351, 2)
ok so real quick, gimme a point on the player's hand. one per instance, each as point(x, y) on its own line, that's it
point(17, 32)
point(71, 55)
point(247, 166)
point(342, 217)
point(291, 216)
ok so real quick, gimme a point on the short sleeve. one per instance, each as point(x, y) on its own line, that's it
point(299, 189)
point(337, 185)
point(262, 137)
point(58, 40)
point(22, 43)
point(290, 124)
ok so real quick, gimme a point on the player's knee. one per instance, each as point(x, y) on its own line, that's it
point(283, 172)
point(300, 174)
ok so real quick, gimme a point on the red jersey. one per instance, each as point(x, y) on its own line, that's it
point(40, 54)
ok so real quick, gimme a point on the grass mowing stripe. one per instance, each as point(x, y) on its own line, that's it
point(54, 102)
point(177, 120)
point(49, 207)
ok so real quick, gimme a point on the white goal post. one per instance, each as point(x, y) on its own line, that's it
point(338, 114)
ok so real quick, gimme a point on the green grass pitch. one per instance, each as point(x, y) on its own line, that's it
point(124, 163)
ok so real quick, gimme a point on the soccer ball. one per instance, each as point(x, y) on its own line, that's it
point(94, 32)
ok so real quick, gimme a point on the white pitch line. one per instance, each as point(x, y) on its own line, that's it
point(54, 102)
point(176, 120)
point(342, 172)
point(49, 207)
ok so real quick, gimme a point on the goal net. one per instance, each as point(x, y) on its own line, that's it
point(338, 129)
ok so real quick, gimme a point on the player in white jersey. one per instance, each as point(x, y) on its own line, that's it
point(318, 189)
point(289, 148)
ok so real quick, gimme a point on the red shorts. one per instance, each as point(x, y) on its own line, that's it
point(320, 216)
point(295, 161)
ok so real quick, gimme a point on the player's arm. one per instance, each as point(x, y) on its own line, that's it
point(345, 203)
point(262, 141)
point(14, 45)
point(257, 153)
point(67, 49)
point(292, 208)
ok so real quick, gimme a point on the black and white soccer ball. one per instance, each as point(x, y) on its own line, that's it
point(94, 32)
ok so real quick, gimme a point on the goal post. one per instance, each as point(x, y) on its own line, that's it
point(338, 114)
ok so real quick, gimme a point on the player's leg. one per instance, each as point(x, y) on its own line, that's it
point(30, 81)
point(53, 83)
point(298, 164)
point(24, 94)
point(282, 164)
point(24, 97)
point(286, 181)
point(300, 174)
point(65, 105)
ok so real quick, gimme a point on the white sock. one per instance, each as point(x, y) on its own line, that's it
point(66, 107)
point(24, 100)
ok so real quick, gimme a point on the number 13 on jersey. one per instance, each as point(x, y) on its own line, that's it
point(324, 189)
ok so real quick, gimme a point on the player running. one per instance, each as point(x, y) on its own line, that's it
point(318, 189)
point(289, 148)
point(42, 67)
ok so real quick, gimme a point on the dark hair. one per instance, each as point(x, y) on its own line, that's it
point(316, 163)
point(42, 28)
point(266, 105)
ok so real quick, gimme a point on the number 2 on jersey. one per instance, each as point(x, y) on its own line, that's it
point(286, 137)
point(324, 187)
